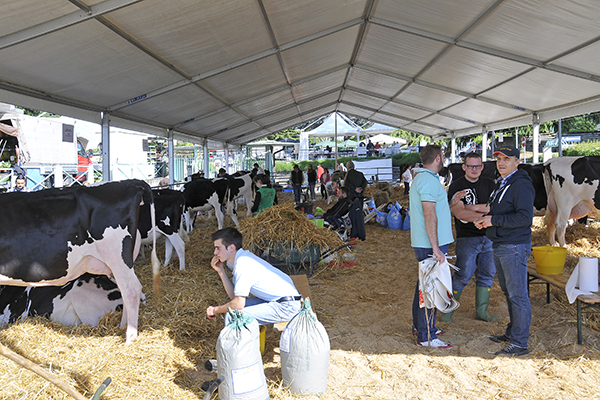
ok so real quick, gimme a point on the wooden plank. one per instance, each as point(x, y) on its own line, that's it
point(556, 280)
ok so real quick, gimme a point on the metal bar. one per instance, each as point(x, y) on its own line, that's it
point(579, 335)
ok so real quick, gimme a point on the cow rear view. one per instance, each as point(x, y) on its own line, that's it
point(57, 235)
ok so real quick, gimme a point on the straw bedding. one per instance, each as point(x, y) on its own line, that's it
point(366, 310)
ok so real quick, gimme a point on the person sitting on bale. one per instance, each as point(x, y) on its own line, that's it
point(275, 298)
point(334, 215)
point(265, 196)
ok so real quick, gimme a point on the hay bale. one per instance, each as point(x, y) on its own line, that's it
point(381, 197)
point(382, 185)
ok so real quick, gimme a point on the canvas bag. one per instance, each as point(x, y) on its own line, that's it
point(305, 348)
point(239, 360)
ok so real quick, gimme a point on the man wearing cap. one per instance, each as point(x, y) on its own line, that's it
point(509, 228)
point(468, 198)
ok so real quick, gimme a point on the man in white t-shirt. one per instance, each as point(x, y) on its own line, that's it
point(275, 300)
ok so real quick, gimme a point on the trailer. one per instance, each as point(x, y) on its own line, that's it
point(38, 146)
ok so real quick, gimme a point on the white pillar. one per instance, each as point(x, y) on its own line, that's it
point(484, 144)
point(536, 138)
point(58, 176)
point(226, 158)
point(171, 157)
point(90, 174)
point(517, 143)
point(559, 137)
point(205, 151)
point(106, 175)
point(453, 147)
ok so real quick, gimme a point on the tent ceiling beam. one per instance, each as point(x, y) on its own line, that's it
point(65, 21)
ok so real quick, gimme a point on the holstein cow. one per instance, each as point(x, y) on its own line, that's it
point(169, 207)
point(572, 184)
point(205, 195)
point(82, 301)
point(53, 236)
point(239, 185)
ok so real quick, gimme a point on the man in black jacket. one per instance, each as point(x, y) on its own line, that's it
point(297, 179)
point(355, 181)
point(334, 215)
point(509, 228)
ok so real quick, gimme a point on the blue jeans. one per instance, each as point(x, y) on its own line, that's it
point(297, 192)
point(511, 264)
point(424, 322)
point(474, 255)
point(268, 312)
point(311, 188)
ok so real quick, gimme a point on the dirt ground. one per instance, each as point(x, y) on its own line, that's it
point(366, 310)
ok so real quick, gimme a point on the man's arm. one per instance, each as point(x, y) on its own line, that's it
point(237, 303)
point(431, 228)
point(257, 197)
point(468, 213)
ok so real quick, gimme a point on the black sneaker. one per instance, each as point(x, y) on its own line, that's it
point(499, 338)
point(512, 350)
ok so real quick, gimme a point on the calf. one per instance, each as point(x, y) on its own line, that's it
point(169, 208)
point(82, 301)
point(53, 236)
point(572, 184)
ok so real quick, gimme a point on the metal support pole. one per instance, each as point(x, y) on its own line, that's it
point(536, 138)
point(58, 176)
point(205, 151)
point(226, 158)
point(484, 144)
point(559, 136)
point(171, 157)
point(453, 151)
point(493, 143)
point(106, 173)
point(90, 174)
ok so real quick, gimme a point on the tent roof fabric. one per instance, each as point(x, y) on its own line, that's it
point(234, 72)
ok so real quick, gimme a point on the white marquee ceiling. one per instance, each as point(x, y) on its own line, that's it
point(237, 70)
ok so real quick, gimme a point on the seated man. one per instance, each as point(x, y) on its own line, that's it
point(265, 196)
point(334, 215)
point(275, 300)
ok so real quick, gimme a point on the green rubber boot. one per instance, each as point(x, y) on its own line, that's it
point(447, 317)
point(482, 301)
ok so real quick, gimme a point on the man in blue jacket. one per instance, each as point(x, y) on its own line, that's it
point(509, 228)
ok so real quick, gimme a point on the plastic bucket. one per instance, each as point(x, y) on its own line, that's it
point(550, 260)
point(318, 222)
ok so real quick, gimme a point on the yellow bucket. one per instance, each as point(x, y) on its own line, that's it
point(263, 332)
point(550, 260)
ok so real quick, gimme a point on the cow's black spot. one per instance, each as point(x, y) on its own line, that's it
point(583, 172)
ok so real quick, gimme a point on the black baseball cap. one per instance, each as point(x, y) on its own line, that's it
point(508, 151)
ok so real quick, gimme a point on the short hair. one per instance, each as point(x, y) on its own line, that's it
point(229, 236)
point(344, 189)
point(296, 166)
point(21, 177)
point(473, 155)
point(222, 171)
point(429, 153)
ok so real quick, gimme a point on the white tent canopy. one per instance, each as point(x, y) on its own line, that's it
point(329, 129)
point(235, 71)
point(381, 139)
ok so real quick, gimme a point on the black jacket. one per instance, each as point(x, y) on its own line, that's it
point(511, 208)
point(339, 209)
point(297, 177)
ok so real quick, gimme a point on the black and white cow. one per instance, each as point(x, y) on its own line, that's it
point(573, 187)
point(206, 195)
point(239, 185)
point(51, 237)
point(82, 301)
point(169, 206)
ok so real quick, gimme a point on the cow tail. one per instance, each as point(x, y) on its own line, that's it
point(155, 262)
point(182, 232)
